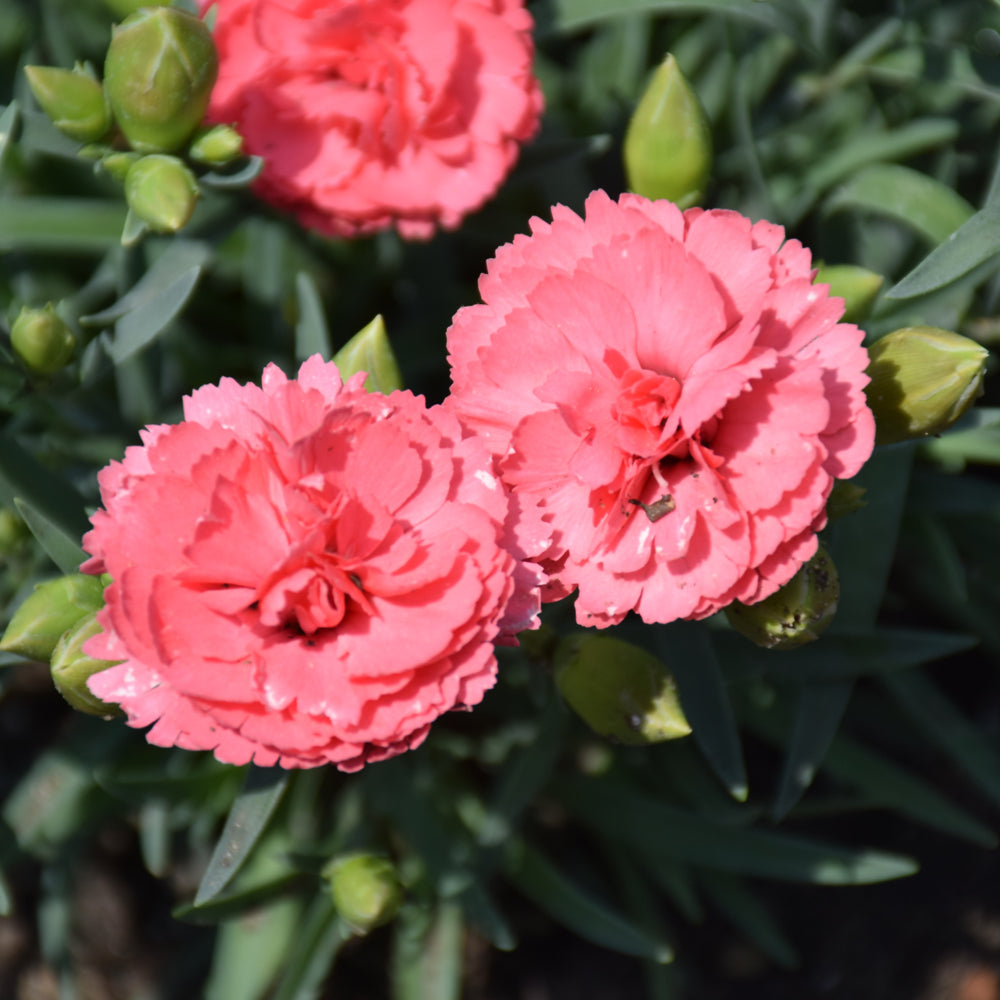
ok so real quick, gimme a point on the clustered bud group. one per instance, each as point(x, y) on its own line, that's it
point(143, 124)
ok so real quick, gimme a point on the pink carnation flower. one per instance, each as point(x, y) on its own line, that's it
point(304, 573)
point(372, 113)
point(672, 393)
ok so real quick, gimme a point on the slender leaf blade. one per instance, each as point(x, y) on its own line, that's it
point(63, 549)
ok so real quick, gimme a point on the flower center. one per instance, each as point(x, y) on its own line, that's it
point(643, 409)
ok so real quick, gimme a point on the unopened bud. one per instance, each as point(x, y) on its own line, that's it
point(795, 614)
point(619, 690)
point(73, 99)
point(71, 668)
point(51, 609)
point(13, 531)
point(846, 497)
point(369, 351)
point(365, 889)
point(119, 164)
point(162, 192)
point(216, 146)
point(42, 340)
point(159, 73)
point(857, 286)
point(922, 380)
point(668, 145)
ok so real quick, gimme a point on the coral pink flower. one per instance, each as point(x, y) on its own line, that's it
point(304, 573)
point(372, 113)
point(673, 394)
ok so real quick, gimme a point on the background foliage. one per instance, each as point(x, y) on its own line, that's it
point(869, 130)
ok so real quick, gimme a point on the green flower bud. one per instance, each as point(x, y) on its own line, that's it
point(162, 192)
point(119, 164)
point(216, 146)
point(668, 145)
point(797, 613)
point(71, 667)
point(51, 609)
point(857, 286)
point(13, 531)
point(922, 380)
point(369, 351)
point(619, 690)
point(42, 340)
point(845, 498)
point(159, 73)
point(365, 889)
point(73, 99)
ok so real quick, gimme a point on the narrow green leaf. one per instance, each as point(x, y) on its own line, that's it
point(872, 147)
point(63, 549)
point(241, 178)
point(568, 904)
point(883, 782)
point(863, 545)
point(817, 716)
point(686, 648)
point(573, 15)
point(427, 954)
point(312, 335)
point(8, 123)
point(6, 897)
point(262, 790)
point(251, 950)
point(978, 240)
point(140, 327)
point(179, 257)
point(81, 225)
point(24, 477)
point(944, 725)
point(745, 909)
point(312, 952)
point(926, 205)
point(840, 656)
point(154, 836)
point(653, 828)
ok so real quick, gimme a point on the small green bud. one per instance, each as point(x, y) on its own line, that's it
point(162, 192)
point(922, 380)
point(619, 690)
point(369, 351)
point(159, 73)
point(857, 286)
point(119, 164)
point(73, 99)
point(71, 667)
point(795, 614)
point(846, 497)
point(13, 531)
point(42, 340)
point(365, 889)
point(668, 145)
point(216, 146)
point(51, 608)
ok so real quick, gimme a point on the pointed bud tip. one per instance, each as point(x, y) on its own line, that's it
point(161, 191)
point(923, 379)
point(42, 340)
point(620, 691)
point(49, 610)
point(159, 72)
point(797, 613)
point(369, 351)
point(73, 100)
point(668, 144)
point(365, 889)
point(71, 668)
